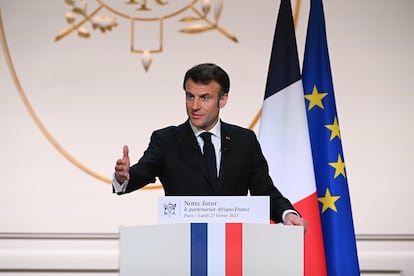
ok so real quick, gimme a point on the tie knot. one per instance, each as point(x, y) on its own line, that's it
point(206, 136)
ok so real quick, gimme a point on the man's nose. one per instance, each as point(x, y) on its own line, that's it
point(196, 103)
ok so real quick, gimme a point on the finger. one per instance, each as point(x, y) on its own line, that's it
point(126, 151)
point(122, 174)
point(294, 220)
point(121, 177)
point(120, 168)
point(120, 162)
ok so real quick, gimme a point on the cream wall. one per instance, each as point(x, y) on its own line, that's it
point(93, 96)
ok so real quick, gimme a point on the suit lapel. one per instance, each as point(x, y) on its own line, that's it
point(225, 148)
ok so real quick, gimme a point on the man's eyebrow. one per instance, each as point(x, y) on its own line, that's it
point(202, 95)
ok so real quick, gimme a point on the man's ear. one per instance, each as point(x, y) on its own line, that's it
point(223, 100)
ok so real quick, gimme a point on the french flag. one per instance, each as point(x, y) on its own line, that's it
point(284, 136)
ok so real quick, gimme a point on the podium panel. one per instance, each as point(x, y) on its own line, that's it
point(199, 249)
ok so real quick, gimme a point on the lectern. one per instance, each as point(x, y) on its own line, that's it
point(211, 248)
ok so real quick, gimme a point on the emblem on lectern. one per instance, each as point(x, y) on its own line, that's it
point(169, 209)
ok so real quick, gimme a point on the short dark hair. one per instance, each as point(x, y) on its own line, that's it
point(205, 73)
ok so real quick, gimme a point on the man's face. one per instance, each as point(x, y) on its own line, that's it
point(203, 103)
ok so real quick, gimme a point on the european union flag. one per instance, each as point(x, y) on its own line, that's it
point(328, 157)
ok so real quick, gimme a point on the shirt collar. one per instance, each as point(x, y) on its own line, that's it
point(216, 130)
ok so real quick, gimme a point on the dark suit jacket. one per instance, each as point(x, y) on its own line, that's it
point(174, 156)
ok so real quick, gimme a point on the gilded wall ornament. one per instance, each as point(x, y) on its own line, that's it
point(196, 18)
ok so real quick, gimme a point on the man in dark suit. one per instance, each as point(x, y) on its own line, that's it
point(175, 153)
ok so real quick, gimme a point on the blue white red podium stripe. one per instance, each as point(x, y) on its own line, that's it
point(224, 241)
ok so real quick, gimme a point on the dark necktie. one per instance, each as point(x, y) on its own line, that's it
point(210, 158)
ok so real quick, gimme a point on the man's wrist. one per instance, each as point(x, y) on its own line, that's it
point(119, 187)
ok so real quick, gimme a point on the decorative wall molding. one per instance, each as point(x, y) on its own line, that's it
point(386, 254)
point(55, 253)
point(58, 236)
point(115, 236)
point(385, 237)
